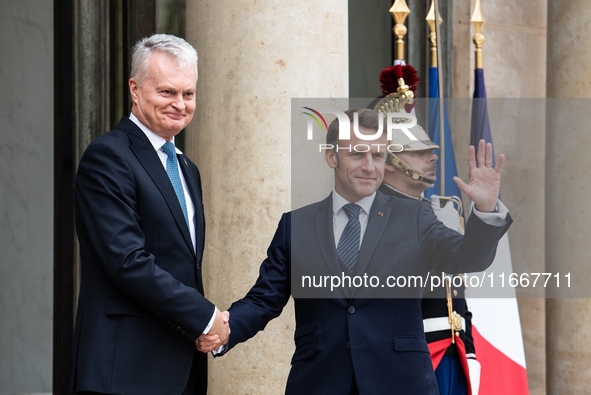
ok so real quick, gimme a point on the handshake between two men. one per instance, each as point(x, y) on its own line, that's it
point(218, 334)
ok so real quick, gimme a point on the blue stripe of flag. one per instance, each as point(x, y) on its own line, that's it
point(451, 170)
point(480, 122)
point(480, 128)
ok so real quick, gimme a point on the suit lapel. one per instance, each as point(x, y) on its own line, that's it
point(195, 192)
point(325, 236)
point(376, 224)
point(147, 156)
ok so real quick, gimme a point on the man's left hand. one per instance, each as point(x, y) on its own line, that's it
point(485, 181)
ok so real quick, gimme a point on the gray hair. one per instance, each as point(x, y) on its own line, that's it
point(178, 49)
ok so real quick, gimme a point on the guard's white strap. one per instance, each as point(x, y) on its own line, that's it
point(448, 214)
point(439, 324)
point(474, 372)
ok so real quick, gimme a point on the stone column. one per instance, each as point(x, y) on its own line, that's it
point(515, 74)
point(567, 174)
point(26, 179)
point(254, 57)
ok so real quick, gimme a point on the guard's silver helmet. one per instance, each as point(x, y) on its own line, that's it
point(395, 103)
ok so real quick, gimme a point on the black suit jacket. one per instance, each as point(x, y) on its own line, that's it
point(351, 332)
point(141, 305)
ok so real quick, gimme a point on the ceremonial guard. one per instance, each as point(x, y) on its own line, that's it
point(409, 172)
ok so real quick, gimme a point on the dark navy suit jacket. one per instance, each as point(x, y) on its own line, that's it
point(366, 333)
point(141, 305)
point(434, 304)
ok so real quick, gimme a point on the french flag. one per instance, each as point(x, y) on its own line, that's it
point(495, 321)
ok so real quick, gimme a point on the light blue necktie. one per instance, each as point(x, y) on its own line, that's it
point(172, 169)
point(348, 248)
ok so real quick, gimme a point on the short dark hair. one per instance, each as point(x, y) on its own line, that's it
point(368, 119)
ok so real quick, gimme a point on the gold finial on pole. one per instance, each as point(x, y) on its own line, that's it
point(399, 11)
point(478, 22)
point(432, 36)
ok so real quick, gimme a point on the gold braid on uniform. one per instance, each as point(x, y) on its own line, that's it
point(406, 169)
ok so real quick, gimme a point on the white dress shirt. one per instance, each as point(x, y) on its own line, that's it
point(340, 218)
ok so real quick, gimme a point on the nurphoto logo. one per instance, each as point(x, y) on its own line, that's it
point(394, 120)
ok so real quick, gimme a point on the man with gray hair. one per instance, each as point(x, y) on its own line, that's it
point(140, 223)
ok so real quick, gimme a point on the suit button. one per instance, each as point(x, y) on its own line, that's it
point(351, 309)
point(348, 345)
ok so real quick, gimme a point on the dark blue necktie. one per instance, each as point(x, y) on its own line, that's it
point(348, 247)
point(172, 169)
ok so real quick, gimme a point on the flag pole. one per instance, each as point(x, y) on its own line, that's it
point(440, 89)
point(399, 11)
point(432, 36)
point(478, 22)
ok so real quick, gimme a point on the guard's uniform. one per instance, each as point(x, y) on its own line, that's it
point(450, 346)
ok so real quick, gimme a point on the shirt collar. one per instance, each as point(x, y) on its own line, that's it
point(338, 202)
point(156, 141)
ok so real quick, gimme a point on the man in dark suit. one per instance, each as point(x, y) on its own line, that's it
point(446, 318)
point(360, 339)
point(140, 223)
